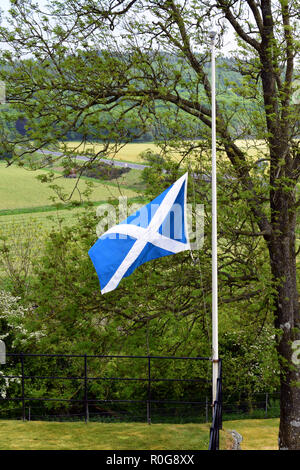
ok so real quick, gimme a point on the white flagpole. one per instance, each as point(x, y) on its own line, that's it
point(215, 348)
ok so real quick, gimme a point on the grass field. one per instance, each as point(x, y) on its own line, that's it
point(129, 153)
point(132, 152)
point(40, 220)
point(17, 435)
point(258, 434)
point(28, 213)
point(19, 188)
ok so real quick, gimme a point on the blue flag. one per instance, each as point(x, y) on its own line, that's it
point(156, 230)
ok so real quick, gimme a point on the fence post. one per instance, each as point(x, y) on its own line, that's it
point(221, 394)
point(86, 403)
point(266, 408)
point(2, 350)
point(206, 409)
point(149, 392)
point(23, 388)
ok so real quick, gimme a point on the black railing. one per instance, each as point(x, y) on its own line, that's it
point(217, 414)
point(23, 371)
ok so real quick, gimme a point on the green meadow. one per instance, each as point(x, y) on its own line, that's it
point(20, 188)
point(28, 211)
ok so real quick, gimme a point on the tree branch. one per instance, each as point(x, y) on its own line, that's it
point(225, 7)
point(256, 13)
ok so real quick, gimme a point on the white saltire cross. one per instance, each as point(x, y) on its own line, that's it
point(150, 234)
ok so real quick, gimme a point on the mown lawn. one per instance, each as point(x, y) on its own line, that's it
point(17, 435)
point(258, 434)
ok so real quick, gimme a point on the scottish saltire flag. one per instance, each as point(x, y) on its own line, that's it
point(156, 230)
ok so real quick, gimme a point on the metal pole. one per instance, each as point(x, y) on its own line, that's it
point(2, 352)
point(23, 388)
point(215, 348)
point(86, 403)
point(149, 392)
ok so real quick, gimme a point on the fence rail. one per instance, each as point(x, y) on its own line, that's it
point(86, 401)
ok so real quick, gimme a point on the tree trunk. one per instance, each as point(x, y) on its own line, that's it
point(283, 265)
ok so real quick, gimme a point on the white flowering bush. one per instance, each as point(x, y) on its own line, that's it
point(13, 318)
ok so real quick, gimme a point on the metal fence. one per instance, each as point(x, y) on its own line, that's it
point(251, 405)
point(141, 409)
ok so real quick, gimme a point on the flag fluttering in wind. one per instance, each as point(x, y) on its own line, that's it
point(156, 230)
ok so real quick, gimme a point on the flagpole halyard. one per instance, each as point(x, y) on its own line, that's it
point(215, 346)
